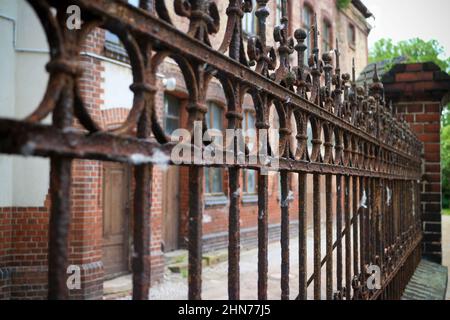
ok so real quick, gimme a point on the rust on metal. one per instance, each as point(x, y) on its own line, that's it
point(372, 153)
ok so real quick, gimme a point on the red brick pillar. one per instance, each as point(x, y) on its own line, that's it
point(417, 91)
point(85, 239)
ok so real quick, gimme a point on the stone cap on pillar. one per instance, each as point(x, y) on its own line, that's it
point(416, 81)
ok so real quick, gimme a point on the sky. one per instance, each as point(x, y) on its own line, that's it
point(406, 19)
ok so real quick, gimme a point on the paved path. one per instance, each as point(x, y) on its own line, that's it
point(446, 247)
point(214, 278)
point(174, 286)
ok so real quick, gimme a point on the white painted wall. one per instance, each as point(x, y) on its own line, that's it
point(23, 182)
point(117, 93)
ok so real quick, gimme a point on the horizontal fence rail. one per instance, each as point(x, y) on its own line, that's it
point(348, 138)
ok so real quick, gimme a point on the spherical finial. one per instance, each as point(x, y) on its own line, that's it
point(300, 34)
point(346, 77)
point(326, 57)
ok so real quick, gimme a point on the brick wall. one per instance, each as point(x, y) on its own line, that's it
point(325, 10)
point(417, 91)
point(23, 231)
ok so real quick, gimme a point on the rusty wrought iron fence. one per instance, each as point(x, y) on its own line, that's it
point(357, 141)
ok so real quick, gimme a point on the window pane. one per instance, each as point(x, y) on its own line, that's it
point(307, 23)
point(214, 116)
point(249, 23)
point(351, 34)
point(111, 37)
point(207, 182)
point(173, 107)
point(217, 118)
point(249, 124)
point(171, 125)
point(213, 180)
point(307, 18)
point(250, 121)
point(134, 2)
point(250, 186)
point(279, 13)
point(326, 38)
point(171, 114)
point(217, 180)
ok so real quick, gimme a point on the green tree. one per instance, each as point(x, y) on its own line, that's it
point(342, 4)
point(446, 116)
point(414, 50)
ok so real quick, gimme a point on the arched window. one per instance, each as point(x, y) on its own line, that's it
point(351, 35)
point(327, 36)
point(279, 13)
point(249, 176)
point(308, 22)
point(249, 23)
point(171, 113)
point(114, 48)
point(214, 176)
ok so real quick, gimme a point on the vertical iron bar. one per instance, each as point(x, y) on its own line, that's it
point(388, 214)
point(317, 240)
point(262, 235)
point(339, 271)
point(402, 204)
point(362, 232)
point(367, 220)
point(233, 236)
point(329, 236)
point(60, 188)
point(302, 236)
point(143, 174)
point(284, 235)
point(141, 234)
point(373, 224)
point(348, 267)
point(195, 232)
point(396, 203)
point(355, 224)
point(60, 211)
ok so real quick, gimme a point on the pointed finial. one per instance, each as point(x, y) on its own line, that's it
point(377, 87)
point(366, 88)
point(316, 33)
point(353, 71)
point(375, 74)
point(284, 9)
point(338, 54)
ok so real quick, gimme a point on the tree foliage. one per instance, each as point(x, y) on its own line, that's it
point(446, 116)
point(342, 4)
point(414, 50)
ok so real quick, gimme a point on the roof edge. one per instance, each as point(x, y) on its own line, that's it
point(362, 8)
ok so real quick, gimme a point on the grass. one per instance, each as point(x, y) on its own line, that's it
point(446, 212)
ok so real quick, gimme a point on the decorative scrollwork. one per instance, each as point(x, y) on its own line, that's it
point(203, 15)
point(233, 39)
point(259, 53)
point(284, 75)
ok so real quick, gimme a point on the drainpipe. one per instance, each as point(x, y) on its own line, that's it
point(45, 51)
point(14, 25)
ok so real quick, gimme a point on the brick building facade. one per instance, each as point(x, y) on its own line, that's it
point(99, 236)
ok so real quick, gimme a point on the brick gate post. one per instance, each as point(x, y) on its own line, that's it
point(419, 91)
